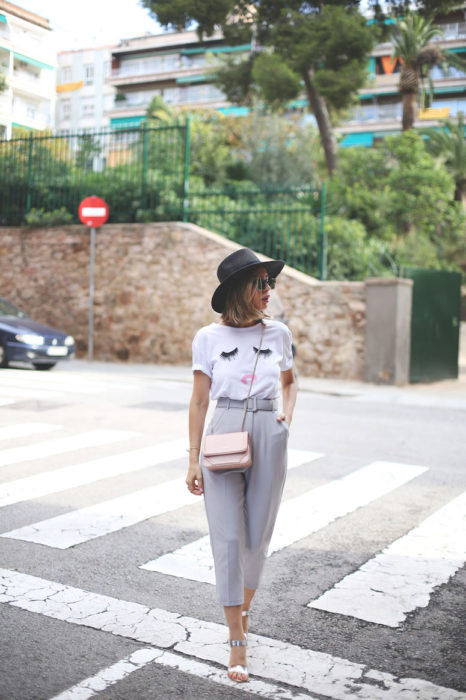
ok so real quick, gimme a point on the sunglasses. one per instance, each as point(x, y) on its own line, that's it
point(262, 282)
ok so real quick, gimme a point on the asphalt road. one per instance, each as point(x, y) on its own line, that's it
point(363, 596)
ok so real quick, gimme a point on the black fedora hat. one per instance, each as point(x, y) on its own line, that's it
point(230, 268)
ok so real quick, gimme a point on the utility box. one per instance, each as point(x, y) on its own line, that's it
point(388, 330)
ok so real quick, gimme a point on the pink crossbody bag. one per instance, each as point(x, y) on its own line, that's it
point(231, 450)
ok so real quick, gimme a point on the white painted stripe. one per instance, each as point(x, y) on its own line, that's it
point(30, 382)
point(18, 430)
point(38, 450)
point(296, 458)
point(31, 393)
point(86, 524)
point(298, 517)
point(305, 669)
point(89, 687)
point(103, 680)
point(88, 472)
point(7, 402)
point(403, 576)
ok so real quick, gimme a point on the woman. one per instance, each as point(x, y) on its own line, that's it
point(242, 506)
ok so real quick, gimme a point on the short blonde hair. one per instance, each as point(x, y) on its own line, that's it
point(239, 307)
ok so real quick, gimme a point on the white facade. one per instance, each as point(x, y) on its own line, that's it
point(84, 97)
point(27, 60)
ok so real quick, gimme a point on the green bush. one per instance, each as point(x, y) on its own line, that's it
point(39, 217)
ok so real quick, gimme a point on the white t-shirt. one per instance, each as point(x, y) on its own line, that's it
point(227, 356)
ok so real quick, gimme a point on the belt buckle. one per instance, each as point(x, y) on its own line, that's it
point(254, 400)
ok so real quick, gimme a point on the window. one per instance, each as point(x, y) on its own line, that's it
point(88, 73)
point(65, 106)
point(87, 107)
point(66, 74)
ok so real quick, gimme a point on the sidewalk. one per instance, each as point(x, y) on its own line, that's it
point(449, 393)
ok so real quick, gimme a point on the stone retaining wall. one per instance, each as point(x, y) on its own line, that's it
point(153, 284)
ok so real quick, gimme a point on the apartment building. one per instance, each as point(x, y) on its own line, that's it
point(174, 65)
point(27, 61)
point(379, 112)
point(84, 93)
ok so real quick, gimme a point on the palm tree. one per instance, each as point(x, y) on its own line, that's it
point(158, 110)
point(449, 145)
point(413, 46)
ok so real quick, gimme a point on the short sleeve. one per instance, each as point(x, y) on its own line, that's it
point(287, 356)
point(200, 354)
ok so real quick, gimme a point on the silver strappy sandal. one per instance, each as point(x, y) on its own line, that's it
point(238, 668)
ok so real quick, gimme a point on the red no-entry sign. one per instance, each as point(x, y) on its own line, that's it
point(93, 211)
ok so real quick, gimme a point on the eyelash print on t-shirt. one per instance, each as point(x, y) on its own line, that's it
point(229, 355)
point(265, 352)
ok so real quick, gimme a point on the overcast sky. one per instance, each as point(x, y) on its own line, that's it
point(86, 23)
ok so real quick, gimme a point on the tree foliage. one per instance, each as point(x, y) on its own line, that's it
point(404, 198)
point(426, 8)
point(413, 37)
point(321, 45)
point(449, 145)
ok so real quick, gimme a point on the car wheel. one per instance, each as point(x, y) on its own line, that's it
point(3, 360)
point(44, 365)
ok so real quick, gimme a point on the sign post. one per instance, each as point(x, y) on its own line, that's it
point(93, 212)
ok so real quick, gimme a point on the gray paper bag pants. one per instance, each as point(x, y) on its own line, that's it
point(242, 507)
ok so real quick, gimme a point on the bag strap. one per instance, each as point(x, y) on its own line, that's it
point(252, 377)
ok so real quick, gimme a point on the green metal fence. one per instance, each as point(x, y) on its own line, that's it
point(143, 175)
point(139, 172)
point(286, 223)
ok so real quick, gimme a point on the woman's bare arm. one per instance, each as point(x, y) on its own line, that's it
point(289, 393)
point(198, 406)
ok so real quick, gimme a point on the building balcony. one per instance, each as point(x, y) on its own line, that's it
point(452, 31)
point(453, 36)
point(31, 117)
point(161, 41)
point(123, 77)
point(27, 83)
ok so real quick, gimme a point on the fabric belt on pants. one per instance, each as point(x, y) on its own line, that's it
point(254, 404)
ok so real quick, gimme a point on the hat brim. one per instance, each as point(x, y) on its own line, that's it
point(273, 267)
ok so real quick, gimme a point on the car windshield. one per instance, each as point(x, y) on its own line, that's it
point(7, 309)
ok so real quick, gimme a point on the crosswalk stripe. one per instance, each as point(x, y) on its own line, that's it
point(298, 517)
point(275, 660)
point(87, 472)
point(38, 450)
point(107, 677)
point(29, 383)
point(86, 524)
point(19, 394)
point(296, 458)
point(19, 430)
point(403, 576)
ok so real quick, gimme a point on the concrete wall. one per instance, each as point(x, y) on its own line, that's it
point(388, 330)
point(153, 284)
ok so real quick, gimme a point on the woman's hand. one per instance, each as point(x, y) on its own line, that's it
point(194, 478)
point(283, 416)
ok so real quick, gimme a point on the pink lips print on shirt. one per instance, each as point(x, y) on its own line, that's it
point(247, 378)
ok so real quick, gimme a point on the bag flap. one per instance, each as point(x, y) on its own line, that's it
point(225, 443)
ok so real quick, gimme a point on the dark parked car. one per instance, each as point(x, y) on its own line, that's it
point(25, 340)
